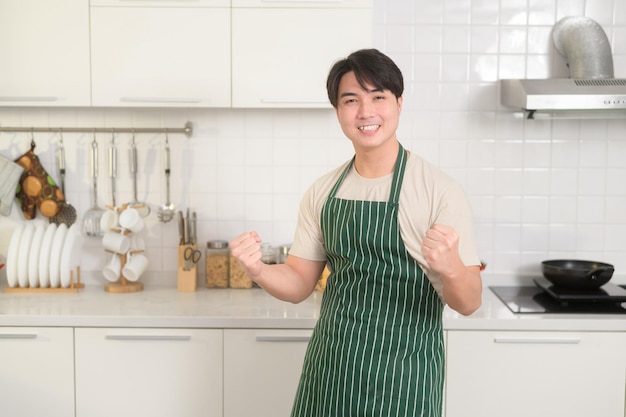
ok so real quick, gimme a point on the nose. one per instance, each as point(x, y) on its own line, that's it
point(366, 109)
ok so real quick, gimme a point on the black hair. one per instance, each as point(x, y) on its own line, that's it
point(370, 66)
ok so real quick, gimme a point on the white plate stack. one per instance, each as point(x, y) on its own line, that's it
point(43, 255)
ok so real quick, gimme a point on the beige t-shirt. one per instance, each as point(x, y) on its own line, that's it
point(428, 196)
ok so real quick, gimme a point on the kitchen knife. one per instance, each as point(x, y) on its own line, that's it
point(194, 228)
point(180, 227)
point(186, 229)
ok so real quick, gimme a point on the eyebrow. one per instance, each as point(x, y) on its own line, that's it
point(349, 94)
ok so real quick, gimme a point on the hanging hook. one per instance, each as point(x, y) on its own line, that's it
point(133, 139)
point(61, 136)
point(167, 139)
point(93, 142)
point(32, 139)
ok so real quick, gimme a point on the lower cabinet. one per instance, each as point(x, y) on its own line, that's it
point(261, 371)
point(148, 372)
point(540, 374)
point(36, 372)
point(93, 372)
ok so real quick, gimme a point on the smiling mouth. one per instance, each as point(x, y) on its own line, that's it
point(368, 128)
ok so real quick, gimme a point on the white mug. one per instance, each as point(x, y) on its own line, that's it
point(113, 268)
point(116, 242)
point(130, 219)
point(108, 220)
point(136, 265)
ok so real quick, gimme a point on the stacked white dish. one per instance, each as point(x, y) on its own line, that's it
point(43, 255)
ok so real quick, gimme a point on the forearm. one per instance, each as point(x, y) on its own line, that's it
point(462, 290)
point(283, 282)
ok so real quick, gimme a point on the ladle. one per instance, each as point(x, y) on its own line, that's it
point(166, 210)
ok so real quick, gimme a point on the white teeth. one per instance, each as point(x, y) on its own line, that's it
point(369, 127)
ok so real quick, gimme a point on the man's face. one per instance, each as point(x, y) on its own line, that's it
point(368, 117)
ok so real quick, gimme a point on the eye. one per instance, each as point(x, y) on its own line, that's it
point(379, 98)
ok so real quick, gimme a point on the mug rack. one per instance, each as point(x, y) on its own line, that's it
point(123, 285)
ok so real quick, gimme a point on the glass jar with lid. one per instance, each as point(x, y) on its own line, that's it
point(268, 253)
point(217, 264)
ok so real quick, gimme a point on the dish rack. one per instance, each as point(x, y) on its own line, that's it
point(72, 288)
point(68, 239)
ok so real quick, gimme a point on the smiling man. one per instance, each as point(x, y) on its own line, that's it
point(397, 235)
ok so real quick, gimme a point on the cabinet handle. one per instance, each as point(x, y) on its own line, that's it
point(18, 336)
point(292, 101)
point(302, 1)
point(4, 98)
point(146, 337)
point(539, 340)
point(159, 100)
point(283, 338)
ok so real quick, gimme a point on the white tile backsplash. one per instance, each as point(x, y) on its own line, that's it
point(539, 188)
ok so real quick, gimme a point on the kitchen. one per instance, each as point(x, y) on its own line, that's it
point(540, 189)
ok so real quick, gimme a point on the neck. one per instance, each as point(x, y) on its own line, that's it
point(376, 162)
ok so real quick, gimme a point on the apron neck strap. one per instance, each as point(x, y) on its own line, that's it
point(398, 175)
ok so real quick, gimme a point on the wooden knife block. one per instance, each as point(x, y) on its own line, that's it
point(187, 280)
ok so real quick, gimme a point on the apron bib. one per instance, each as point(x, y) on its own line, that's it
point(377, 348)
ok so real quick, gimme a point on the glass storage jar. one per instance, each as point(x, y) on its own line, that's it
point(217, 264)
point(268, 253)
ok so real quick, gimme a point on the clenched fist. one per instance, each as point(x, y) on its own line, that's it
point(246, 249)
point(441, 250)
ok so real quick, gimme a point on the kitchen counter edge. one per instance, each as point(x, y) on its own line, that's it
point(160, 307)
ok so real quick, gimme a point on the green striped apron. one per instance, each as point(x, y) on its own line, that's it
point(377, 348)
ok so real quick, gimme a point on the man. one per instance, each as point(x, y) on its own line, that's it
point(397, 235)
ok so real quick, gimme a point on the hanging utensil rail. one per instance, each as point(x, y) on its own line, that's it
point(187, 130)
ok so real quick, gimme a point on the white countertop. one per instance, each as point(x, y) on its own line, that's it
point(246, 308)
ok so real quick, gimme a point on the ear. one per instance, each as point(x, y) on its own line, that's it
point(399, 104)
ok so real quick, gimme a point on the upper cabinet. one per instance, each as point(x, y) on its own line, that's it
point(172, 54)
point(44, 47)
point(282, 50)
point(176, 53)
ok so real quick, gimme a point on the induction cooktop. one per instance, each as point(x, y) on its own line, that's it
point(544, 298)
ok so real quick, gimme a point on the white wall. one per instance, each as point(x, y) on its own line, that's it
point(539, 189)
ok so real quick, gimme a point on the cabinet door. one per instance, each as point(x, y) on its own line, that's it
point(44, 47)
point(160, 56)
point(148, 372)
point(281, 56)
point(261, 371)
point(36, 372)
point(542, 374)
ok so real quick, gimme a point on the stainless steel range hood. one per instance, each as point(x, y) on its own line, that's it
point(591, 87)
point(557, 94)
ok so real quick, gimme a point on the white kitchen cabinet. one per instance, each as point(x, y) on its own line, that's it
point(161, 54)
point(44, 47)
point(261, 371)
point(37, 372)
point(541, 374)
point(148, 372)
point(282, 50)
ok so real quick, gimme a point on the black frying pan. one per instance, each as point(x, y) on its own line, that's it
point(579, 275)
